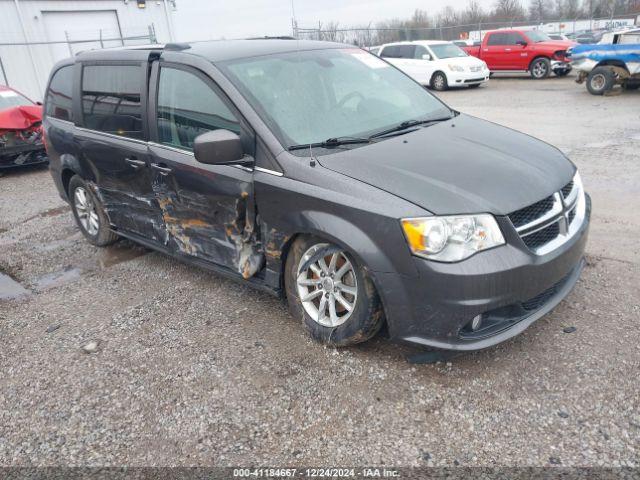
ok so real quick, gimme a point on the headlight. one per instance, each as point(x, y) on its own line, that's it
point(456, 68)
point(451, 238)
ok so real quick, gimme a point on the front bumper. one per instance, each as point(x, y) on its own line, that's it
point(20, 155)
point(560, 67)
point(458, 79)
point(509, 286)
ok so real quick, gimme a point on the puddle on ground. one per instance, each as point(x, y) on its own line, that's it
point(57, 279)
point(119, 253)
point(10, 289)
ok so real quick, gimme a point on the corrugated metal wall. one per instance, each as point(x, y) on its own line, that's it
point(27, 68)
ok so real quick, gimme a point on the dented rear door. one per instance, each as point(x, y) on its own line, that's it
point(208, 210)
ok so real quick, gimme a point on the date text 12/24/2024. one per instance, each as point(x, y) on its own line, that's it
point(372, 472)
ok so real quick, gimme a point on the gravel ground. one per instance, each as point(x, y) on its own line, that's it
point(192, 369)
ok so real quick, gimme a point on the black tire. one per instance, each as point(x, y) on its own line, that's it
point(631, 86)
point(540, 68)
point(103, 236)
point(439, 82)
point(367, 316)
point(600, 80)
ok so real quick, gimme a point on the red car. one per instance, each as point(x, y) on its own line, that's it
point(523, 50)
point(21, 140)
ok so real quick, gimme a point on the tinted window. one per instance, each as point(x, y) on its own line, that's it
point(391, 51)
point(406, 51)
point(497, 39)
point(513, 38)
point(111, 99)
point(419, 52)
point(58, 100)
point(187, 107)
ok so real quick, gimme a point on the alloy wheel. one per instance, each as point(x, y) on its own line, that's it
point(86, 211)
point(327, 285)
point(540, 69)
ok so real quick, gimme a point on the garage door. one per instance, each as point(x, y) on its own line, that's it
point(81, 25)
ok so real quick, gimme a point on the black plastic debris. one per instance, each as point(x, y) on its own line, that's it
point(569, 329)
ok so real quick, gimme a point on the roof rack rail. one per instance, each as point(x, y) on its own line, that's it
point(177, 46)
point(282, 37)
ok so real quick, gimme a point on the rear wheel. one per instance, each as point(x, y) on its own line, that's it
point(600, 81)
point(89, 214)
point(331, 293)
point(439, 81)
point(540, 68)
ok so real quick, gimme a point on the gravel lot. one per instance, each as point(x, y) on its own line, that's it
point(192, 369)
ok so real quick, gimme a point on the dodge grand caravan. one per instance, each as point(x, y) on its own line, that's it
point(321, 173)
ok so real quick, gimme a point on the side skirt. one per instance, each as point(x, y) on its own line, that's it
point(253, 282)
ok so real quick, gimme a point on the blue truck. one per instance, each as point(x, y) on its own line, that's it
point(613, 61)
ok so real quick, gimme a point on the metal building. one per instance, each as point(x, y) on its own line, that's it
point(34, 34)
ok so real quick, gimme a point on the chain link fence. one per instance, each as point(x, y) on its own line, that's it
point(370, 36)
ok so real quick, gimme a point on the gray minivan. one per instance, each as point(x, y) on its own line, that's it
point(319, 172)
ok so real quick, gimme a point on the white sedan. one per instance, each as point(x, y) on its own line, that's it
point(436, 64)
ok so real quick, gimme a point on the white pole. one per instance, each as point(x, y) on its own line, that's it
point(169, 21)
point(26, 39)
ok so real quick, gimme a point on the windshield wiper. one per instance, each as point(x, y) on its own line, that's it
point(408, 124)
point(332, 142)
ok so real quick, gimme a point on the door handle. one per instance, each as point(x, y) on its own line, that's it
point(507, 49)
point(162, 168)
point(135, 163)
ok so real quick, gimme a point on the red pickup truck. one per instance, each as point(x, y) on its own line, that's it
point(523, 50)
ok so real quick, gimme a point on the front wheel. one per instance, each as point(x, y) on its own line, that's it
point(600, 81)
point(439, 81)
point(331, 293)
point(540, 68)
point(89, 214)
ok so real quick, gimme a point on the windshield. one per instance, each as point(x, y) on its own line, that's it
point(10, 99)
point(536, 36)
point(447, 50)
point(310, 96)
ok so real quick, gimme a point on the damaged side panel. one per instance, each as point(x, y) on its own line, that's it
point(209, 211)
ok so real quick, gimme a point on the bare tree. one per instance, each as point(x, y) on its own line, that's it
point(539, 10)
point(508, 10)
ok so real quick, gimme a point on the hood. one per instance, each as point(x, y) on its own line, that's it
point(463, 165)
point(469, 61)
point(19, 118)
point(554, 44)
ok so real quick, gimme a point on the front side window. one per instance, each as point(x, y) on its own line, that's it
point(59, 103)
point(310, 96)
point(111, 99)
point(513, 38)
point(188, 107)
point(448, 50)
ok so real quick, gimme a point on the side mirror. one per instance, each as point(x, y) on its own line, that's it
point(39, 104)
point(522, 43)
point(219, 147)
point(426, 56)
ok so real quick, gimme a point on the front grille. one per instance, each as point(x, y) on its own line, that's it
point(542, 237)
point(472, 80)
point(572, 215)
point(542, 298)
point(532, 212)
point(566, 190)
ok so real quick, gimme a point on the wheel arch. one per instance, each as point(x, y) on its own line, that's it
point(435, 73)
point(70, 166)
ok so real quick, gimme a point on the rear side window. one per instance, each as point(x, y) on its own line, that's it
point(59, 100)
point(111, 99)
point(406, 51)
point(392, 51)
point(188, 107)
point(497, 39)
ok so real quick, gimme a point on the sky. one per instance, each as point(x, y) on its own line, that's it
point(215, 19)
